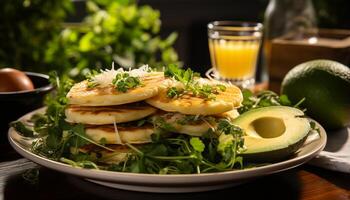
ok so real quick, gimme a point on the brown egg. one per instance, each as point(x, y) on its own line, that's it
point(12, 80)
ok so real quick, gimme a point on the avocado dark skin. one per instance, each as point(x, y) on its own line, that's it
point(325, 85)
point(275, 155)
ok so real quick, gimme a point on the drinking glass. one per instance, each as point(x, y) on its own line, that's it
point(234, 48)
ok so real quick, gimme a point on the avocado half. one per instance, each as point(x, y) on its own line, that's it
point(272, 133)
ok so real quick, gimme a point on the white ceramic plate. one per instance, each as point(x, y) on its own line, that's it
point(171, 183)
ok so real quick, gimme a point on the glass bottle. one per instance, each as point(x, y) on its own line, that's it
point(290, 20)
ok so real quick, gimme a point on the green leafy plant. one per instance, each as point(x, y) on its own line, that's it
point(34, 36)
point(114, 31)
point(27, 28)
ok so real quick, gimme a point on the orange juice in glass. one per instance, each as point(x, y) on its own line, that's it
point(234, 48)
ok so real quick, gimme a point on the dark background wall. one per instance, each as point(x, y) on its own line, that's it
point(190, 17)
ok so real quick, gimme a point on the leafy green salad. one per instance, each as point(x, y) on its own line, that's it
point(167, 153)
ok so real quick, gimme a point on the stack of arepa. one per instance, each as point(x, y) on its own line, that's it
point(113, 118)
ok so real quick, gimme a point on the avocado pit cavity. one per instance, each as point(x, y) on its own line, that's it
point(269, 127)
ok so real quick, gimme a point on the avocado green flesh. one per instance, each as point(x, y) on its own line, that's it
point(272, 133)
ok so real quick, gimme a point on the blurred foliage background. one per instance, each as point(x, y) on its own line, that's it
point(35, 37)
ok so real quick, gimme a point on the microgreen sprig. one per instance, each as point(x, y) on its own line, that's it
point(123, 82)
point(264, 99)
point(191, 85)
point(90, 79)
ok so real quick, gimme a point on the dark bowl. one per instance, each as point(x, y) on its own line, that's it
point(15, 104)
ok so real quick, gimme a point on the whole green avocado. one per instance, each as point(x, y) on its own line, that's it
point(325, 85)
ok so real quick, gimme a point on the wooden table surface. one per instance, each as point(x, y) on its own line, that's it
point(305, 182)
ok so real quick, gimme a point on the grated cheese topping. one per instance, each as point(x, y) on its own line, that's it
point(106, 76)
point(117, 136)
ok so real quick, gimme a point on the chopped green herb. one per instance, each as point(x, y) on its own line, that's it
point(221, 87)
point(188, 79)
point(123, 82)
point(174, 92)
point(90, 79)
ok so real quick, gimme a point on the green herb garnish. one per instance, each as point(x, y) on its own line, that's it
point(174, 92)
point(59, 135)
point(191, 86)
point(123, 82)
point(90, 79)
point(264, 99)
point(231, 142)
